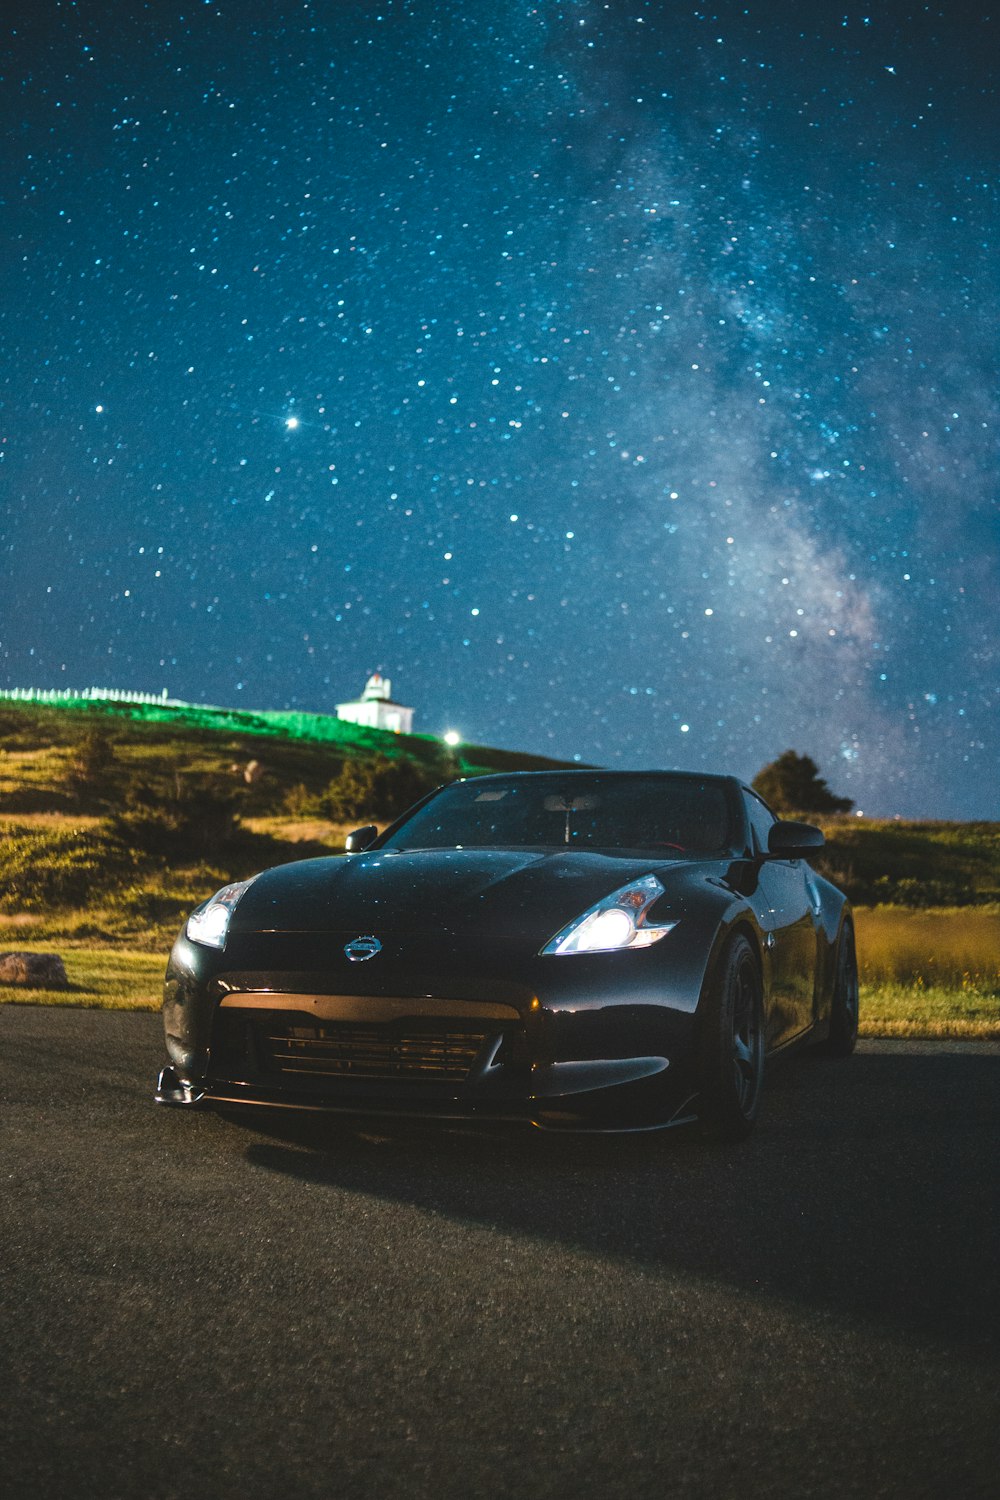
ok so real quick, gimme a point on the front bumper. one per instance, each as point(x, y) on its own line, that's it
point(580, 1043)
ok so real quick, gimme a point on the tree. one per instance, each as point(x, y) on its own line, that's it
point(792, 784)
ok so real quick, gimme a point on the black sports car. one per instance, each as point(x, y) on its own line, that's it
point(580, 949)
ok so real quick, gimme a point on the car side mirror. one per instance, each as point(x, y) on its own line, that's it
point(361, 839)
point(793, 840)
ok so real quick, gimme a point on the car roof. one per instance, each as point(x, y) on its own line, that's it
point(592, 771)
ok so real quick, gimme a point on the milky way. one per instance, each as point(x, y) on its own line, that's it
point(619, 378)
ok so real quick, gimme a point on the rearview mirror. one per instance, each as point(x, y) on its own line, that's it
point(361, 839)
point(793, 840)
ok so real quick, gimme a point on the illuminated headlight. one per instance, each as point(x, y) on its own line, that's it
point(209, 924)
point(619, 921)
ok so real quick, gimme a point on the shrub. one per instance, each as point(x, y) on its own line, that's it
point(376, 790)
point(300, 802)
point(89, 775)
point(187, 820)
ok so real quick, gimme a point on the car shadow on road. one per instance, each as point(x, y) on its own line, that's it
point(869, 1188)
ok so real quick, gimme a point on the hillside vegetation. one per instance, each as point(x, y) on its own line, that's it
point(117, 818)
point(912, 864)
point(84, 756)
point(102, 798)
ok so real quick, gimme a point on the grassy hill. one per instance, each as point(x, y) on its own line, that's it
point(41, 748)
point(100, 792)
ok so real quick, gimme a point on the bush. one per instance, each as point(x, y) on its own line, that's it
point(188, 820)
point(377, 790)
point(300, 802)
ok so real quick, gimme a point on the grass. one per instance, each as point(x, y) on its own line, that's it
point(931, 973)
point(99, 978)
point(937, 1011)
point(950, 948)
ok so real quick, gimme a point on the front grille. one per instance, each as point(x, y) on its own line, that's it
point(344, 1051)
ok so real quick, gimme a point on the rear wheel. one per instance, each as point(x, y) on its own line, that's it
point(844, 1006)
point(731, 1052)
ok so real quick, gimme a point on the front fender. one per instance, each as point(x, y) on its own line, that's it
point(187, 1018)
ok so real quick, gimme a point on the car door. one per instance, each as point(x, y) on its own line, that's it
point(785, 907)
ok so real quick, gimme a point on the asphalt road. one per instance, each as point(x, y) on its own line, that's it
point(319, 1308)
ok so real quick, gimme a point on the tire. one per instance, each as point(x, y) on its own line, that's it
point(731, 1046)
point(844, 1005)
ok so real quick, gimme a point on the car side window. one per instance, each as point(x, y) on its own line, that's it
point(761, 820)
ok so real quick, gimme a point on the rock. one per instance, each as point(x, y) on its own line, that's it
point(251, 772)
point(39, 971)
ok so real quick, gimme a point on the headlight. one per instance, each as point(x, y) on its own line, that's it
point(209, 924)
point(619, 921)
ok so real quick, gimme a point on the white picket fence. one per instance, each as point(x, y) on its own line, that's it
point(92, 694)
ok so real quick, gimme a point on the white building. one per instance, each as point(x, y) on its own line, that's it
point(375, 708)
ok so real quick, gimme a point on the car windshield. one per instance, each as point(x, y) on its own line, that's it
point(672, 815)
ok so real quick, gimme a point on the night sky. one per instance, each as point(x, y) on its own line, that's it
point(619, 378)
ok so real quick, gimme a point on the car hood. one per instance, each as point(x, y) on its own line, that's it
point(520, 894)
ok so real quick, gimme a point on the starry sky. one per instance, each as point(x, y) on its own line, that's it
point(619, 378)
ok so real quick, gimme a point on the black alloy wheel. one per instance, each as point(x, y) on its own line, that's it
point(732, 1046)
point(845, 1007)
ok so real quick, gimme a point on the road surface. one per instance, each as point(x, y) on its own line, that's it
point(303, 1307)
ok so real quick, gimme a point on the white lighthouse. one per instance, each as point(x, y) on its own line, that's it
point(376, 709)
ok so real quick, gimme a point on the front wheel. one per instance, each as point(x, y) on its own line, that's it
point(844, 1006)
point(731, 1046)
